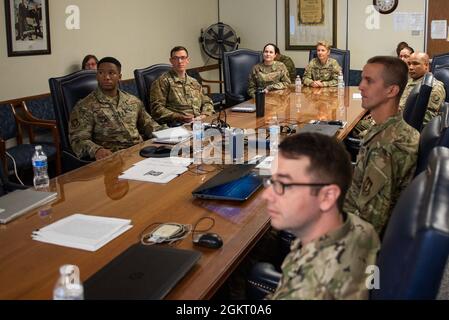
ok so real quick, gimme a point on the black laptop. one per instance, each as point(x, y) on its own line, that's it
point(141, 273)
point(235, 182)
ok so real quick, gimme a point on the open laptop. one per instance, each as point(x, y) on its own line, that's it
point(234, 182)
point(141, 273)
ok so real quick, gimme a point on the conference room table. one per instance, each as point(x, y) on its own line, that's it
point(29, 269)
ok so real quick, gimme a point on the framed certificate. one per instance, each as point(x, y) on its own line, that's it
point(308, 21)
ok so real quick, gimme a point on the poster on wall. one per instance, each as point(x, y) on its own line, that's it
point(309, 21)
point(27, 27)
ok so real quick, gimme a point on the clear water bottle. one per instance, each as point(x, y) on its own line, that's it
point(41, 180)
point(68, 286)
point(341, 81)
point(298, 84)
point(197, 140)
point(275, 131)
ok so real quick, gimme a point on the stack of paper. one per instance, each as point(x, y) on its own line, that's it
point(158, 170)
point(172, 135)
point(82, 231)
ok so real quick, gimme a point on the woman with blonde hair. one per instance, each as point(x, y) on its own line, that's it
point(323, 70)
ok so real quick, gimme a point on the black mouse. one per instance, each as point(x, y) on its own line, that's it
point(155, 152)
point(208, 240)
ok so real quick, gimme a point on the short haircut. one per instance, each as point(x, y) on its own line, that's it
point(329, 160)
point(178, 48)
point(276, 49)
point(324, 43)
point(87, 58)
point(110, 60)
point(401, 45)
point(410, 49)
point(395, 71)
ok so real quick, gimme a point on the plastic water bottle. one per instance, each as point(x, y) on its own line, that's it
point(341, 81)
point(41, 180)
point(274, 130)
point(298, 84)
point(68, 286)
point(197, 140)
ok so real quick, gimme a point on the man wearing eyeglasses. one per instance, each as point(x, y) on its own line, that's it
point(108, 119)
point(305, 196)
point(175, 97)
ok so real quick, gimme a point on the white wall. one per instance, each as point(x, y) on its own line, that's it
point(255, 22)
point(137, 32)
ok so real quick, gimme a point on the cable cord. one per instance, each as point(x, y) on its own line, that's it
point(15, 168)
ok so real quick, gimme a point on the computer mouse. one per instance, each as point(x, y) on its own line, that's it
point(208, 240)
point(155, 152)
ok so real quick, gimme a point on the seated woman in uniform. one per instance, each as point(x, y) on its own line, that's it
point(322, 71)
point(269, 74)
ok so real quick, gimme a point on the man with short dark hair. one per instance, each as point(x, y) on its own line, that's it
point(418, 66)
point(305, 196)
point(108, 119)
point(387, 158)
point(175, 96)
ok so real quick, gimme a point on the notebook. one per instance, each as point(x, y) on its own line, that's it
point(235, 182)
point(141, 273)
point(19, 202)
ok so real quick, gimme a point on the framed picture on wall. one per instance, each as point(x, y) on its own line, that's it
point(27, 27)
point(308, 21)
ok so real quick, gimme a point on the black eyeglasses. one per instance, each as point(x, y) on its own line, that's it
point(279, 187)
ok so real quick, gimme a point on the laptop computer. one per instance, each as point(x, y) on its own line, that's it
point(141, 273)
point(234, 182)
point(19, 202)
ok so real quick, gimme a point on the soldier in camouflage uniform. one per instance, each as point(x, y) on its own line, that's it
point(305, 195)
point(418, 66)
point(322, 71)
point(270, 74)
point(387, 159)
point(108, 119)
point(288, 62)
point(177, 97)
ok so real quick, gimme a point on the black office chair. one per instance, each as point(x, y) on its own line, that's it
point(218, 99)
point(66, 91)
point(441, 72)
point(237, 66)
point(415, 247)
point(416, 103)
point(342, 57)
point(145, 77)
point(439, 59)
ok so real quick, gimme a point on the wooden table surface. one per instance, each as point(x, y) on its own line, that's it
point(29, 269)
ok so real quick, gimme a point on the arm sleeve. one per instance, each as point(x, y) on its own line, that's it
point(80, 132)
point(145, 124)
point(158, 100)
point(307, 78)
point(207, 106)
point(284, 80)
point(252, 83)
point(334, 76)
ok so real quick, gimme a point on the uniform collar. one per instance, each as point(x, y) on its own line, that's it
point(327, 239)
point(376, 128)
point(175, 77)
point(102, 98)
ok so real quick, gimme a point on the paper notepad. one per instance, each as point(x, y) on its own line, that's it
point(82, 231)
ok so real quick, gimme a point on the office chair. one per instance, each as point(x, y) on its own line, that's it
point(145, 77)
point(237, 66)
point(217, 98)
point(342, 57)
point(416, 103)
point(66, 91)
point(438, 60)
point(416, 243)
point(441, 72)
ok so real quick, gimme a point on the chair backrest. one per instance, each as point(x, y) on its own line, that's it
point(342, 57)
point(439, 59)
point(416, 103)
point(415, 247)
point(237, 66)
point(145, 77)
point(441, 72)
point(8, 125)
point(66, 91)
point(429, 138)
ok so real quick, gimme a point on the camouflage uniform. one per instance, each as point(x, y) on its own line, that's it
point(436, 99)
point(327, 73)
point(331, 267)
point(171, 96)
point(273, 77)
point(290, 65)
point(99, 121)
point(385, 165)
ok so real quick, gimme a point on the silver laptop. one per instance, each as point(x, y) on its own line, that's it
point(16, 203)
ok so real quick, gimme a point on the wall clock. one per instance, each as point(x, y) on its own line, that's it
point(385, 6)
